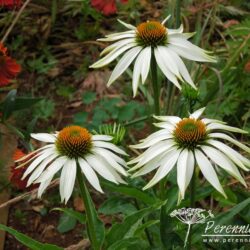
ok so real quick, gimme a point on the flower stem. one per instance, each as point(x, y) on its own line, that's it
point(155, 85)
point(88, 209)
point(192, 205)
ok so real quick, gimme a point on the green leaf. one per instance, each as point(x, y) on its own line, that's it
point(88, 97)
point(128, 244)
point(132, 192)
point(80, 118)
point(128, 227)
point(9, 104)
point(27, 241)
point(117, 205)
point(24, 103)
point(74, 214)
point(147, 224)
point(66, 223)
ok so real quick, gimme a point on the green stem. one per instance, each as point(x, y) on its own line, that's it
point(141, 119)
point(88, 208)
point(178, 14)
point(192, 205)
point(155, 85)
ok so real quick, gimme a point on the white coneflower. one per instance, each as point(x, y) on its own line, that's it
point(71, 146)
point(188, 142)
point(147, 40)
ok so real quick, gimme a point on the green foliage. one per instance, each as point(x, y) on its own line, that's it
point(27, 241)
point(66, 223)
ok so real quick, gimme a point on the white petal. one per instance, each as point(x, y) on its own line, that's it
point(67, 180)
point(108, 157)
point(124, 63)
point(182, 68)
point(150, 166)
point(43, 186)
point(156, 150)
point(171, 119)
point(146, 63)
point(165, 125)
point(54, 167)
point(101, 138)
point(190, 168)
point(229, 152)
point(213, 126)
point(46, 153)
point(129, 26)
point(165, 20)
point(181, 35)
point(108, 145)
point(90, 175)
point(191, 55)
point(115, 37)
point(97, 164)
point(173, 31)
point(197, 113)
point(207, 121)
point(165, 70)
point(222, 160)
point(35, 153)
point(208, 171)
point(168, 60)
point(228, 138)
point(149, 143)
point(165, 168)
point(137, 73)
point(182, 171)
point(116, 46)
point(38, 171)
point(112, 56)
point(44, 137)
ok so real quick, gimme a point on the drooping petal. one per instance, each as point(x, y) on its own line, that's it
point(116, 46)
point(222, 160)
point(54, 167)
point(214, 126)
point(38, 171)
point(229, 152)
point(67, 179)
point(165, 168)
point(110, 146)
point(115, 37)
point(104, 154)
point(165, 70)
point(182, 171)
point(171, 119)
point(98, 166)
point(230, 139)
point(208, 171)
point(46, 153)
point(112, 56)
point(191, 55)
point(124, 63)
point(90, 175)
point(43, 186)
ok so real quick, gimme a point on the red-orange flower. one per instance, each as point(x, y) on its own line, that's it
point(8, 67)
point(107, 7)
point(17, 173)
point(10, 3)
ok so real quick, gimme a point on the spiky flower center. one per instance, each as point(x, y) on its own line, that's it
point(74, 142)
point(189, 132)
point(151, 33)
